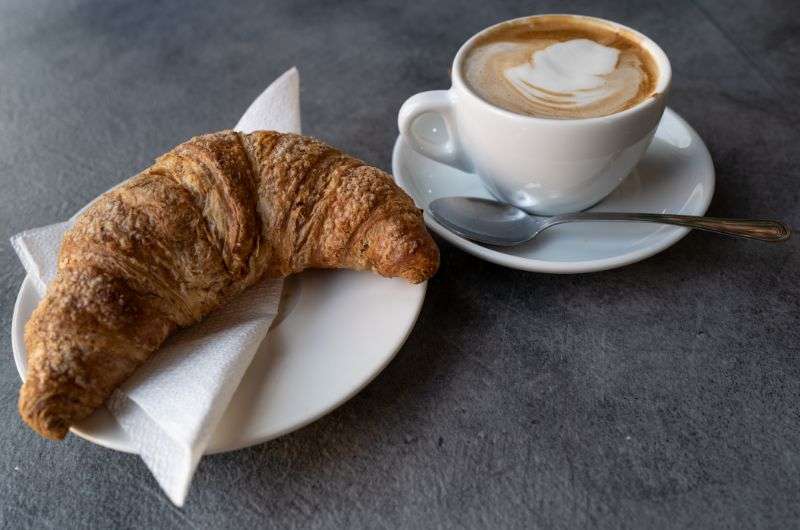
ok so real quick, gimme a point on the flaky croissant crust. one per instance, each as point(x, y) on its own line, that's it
point(207, 220)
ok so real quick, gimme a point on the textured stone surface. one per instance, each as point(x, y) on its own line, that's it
point(663, 394)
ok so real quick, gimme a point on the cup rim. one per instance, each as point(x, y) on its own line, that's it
point(660, 57)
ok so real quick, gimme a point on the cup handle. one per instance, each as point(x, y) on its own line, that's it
point(440, 102)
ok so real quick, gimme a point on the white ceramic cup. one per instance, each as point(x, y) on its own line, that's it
point(542, 165)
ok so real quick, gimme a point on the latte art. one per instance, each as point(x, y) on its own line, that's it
point(567, 74)
point(557, 73)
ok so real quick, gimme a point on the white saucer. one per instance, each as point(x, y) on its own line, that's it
point(334, 333)
point(676, 175)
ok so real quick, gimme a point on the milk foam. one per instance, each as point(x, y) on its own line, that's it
point(566, 73)
point(576, 77)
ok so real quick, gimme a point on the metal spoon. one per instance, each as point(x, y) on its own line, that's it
point(495, 223)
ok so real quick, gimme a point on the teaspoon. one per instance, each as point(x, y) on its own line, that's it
point(496, 223)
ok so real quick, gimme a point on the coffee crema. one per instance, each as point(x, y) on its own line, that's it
point(560, 67)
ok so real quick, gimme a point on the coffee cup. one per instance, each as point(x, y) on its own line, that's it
point(554, 152)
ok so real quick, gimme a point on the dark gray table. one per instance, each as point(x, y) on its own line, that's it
point(662, 394)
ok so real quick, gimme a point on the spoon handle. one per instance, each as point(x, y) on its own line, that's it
point(761, 229)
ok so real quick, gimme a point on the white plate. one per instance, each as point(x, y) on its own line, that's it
point(676, 175)
point(334, 333)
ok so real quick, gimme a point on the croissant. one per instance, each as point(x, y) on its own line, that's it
point(208, 219)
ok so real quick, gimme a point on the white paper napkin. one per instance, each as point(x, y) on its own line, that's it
point(172, 404)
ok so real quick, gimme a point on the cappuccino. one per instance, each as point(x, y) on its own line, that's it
point(562, 67)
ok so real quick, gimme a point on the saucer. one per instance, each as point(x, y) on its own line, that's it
point(676, 175)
